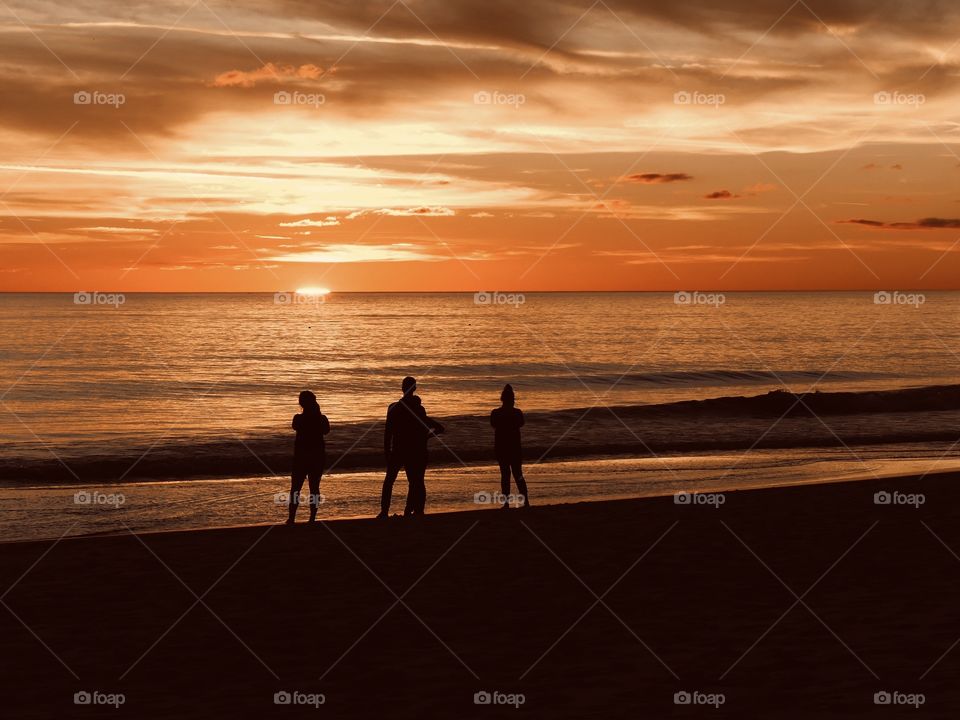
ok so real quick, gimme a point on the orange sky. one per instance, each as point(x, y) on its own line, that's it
point(445, 145)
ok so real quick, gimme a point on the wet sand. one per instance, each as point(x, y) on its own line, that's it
point(694, 598)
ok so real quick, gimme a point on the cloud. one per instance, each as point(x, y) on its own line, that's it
point(346, 253)
point(720, 195)
point(328, 221)
point(875, 166)
point(271, 72)
point(118, 230)
point(931, 223)
point(658, 178)
point(422, 211)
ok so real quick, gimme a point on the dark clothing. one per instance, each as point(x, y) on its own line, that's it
point(309, 459)
point(408, 428)
point(310, 427)
point(405, 436)
point(516, 465)
point(296, 485)
point(506, 422)
point(415, 469)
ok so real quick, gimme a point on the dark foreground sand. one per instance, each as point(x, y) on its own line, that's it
point(486, 594)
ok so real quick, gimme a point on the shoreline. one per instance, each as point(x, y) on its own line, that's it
point(778, 419)
point(893, 477)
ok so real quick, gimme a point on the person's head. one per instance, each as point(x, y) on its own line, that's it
point(409, 385)
point(507, 397)
point(308, 401)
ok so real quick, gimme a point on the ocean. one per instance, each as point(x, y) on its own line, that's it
point(159, 387)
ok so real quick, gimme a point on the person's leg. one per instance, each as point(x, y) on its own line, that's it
point(296, 484)
point(517, 467)
point(409, 469)
point(419, 486)
point(504, 479)
point(386, 494)
point(314, 480)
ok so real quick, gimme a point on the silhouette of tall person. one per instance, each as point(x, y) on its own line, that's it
point(507, 421)
point(405, 436)
point(309, 454)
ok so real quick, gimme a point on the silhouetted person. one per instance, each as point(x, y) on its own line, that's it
point(309, 453)
point(507, 421)
point(405, 439)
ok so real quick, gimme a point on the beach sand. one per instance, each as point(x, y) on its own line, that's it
point(693, 597)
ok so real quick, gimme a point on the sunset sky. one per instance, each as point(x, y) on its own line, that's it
point(494, 144)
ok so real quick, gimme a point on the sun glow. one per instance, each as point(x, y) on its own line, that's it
point(315, 291)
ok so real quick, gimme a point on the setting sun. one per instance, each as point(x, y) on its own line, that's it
point(313, 291)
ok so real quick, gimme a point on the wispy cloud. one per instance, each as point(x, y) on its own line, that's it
point(931, 223)
point(271, 72)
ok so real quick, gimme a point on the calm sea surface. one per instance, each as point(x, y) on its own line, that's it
point(162, 366)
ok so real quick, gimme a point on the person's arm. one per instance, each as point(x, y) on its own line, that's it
point(388, 432)
point(324, 424)
point(430, 423)
point(296, 422)
point(520, 420)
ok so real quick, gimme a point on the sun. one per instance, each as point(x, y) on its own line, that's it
point(313, 291)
